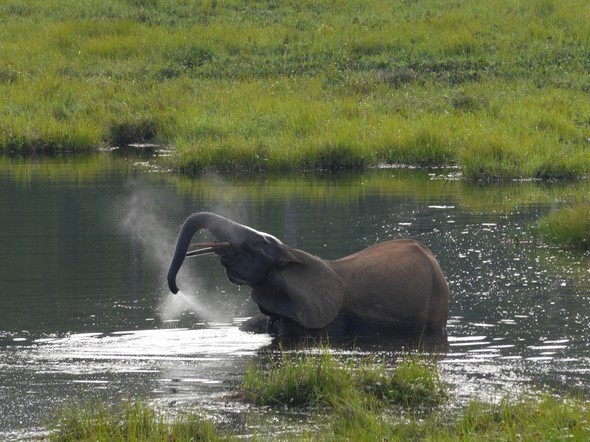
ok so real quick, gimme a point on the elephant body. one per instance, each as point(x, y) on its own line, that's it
point(396, 285)
point(392, 286)
point(402, 280)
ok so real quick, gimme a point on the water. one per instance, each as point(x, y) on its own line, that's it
point(85, 311)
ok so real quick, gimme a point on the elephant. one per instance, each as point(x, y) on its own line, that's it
point(396, 285)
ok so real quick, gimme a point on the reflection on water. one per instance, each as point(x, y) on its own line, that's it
point(85, 312)
point(172, 364)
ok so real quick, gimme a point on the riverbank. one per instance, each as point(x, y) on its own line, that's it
point(353, 399)
point(498, 88)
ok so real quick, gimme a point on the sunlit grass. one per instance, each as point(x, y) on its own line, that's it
point(348, 399)
point(497, 88)
point(322, 379)
point(129, 422)
point(568, 226)
point(544, 418)
point(360, 399)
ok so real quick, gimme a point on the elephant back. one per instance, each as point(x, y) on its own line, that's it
point(398, 282)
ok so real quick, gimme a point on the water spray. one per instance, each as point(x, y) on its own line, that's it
point(142, 217)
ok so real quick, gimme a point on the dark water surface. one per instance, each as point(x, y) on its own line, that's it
point(85, 313)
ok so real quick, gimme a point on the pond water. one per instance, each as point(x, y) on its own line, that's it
point(85, 312)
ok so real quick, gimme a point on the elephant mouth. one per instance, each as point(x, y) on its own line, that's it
point(206, 248)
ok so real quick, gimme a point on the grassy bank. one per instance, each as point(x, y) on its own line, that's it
point(498, 88)
point(355, 399)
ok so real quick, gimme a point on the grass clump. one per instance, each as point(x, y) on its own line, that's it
point(320, 379)
point(355, 394)
point(569, 226)
point(129, 422)
point(415, 382)
point(298, 379)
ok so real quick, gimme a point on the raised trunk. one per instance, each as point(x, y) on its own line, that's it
point(222, 228)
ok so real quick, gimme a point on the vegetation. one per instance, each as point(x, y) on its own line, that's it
point(569, 226)
point(529, 419)
point(129, 422)
point(498, 88)
point(354, 399)
point(304, 379)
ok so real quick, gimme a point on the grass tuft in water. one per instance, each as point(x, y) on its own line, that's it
point(568, 226)
point(415, 382)
point(296, 379)
point(310, 379)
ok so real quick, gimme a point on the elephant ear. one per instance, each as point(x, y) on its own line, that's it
point(304, 288)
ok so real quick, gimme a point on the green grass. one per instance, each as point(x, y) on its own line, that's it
point(529, 419)
point(544, 418)
point(360, 399)
point(354, 398)
point(498, 88)
point(569, 226)
point(312, 380)
point(129, 422)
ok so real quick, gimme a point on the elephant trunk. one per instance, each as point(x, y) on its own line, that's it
point(222, 228)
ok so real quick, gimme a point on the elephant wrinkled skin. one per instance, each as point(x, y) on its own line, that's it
point(396, 285)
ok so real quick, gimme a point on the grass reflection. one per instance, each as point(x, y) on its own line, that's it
point(342, 187)
point(420, 185)
point(61, 168)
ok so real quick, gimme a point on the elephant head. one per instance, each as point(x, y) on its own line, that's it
point(287, 282)
point(246, 254)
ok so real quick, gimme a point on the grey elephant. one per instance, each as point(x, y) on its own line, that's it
point(396, 285)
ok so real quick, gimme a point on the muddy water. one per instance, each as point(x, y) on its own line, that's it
point(84, 311)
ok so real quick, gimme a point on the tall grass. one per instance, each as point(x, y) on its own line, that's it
point(355, 392)
point(496, 87)
point(357, 400)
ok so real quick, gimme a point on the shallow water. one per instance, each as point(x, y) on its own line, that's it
point(84, 311)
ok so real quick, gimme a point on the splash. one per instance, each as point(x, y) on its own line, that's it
point(143, 218)
point(174, 306)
